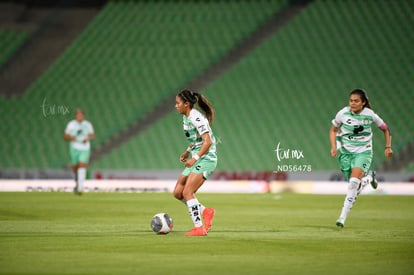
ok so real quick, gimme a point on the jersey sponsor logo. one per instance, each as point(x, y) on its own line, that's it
point(356, 138)
point(358, 129)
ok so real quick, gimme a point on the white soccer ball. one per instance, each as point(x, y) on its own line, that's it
point(161, 223)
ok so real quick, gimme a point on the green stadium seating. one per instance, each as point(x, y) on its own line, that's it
point(289, 89)
point(129, 59)
point(136, 54)
point(10, 41)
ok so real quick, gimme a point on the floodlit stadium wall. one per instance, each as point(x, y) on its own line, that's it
point(238, 186)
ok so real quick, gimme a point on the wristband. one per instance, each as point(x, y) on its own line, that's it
point(196, 157)
point(386, 147)
point(188, 149)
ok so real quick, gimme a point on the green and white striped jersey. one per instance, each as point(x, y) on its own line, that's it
point(195, 125)
point(355, 132)
point(80, 130)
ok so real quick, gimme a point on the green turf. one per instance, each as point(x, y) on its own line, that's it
point(109, 233)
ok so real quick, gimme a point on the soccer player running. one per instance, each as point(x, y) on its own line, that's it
point(200, 157)
point(79, 132)
point(350, 137)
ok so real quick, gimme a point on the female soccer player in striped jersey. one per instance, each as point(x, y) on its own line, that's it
point(79, 132)
point(198, 115)
point(351, 139)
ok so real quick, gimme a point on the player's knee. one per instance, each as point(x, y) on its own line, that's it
point(178, 195)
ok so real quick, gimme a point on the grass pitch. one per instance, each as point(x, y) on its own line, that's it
point(109, 233)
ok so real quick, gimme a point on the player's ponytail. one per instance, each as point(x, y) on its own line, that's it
point(203, 104)
point(206, 107)
point(363, 95)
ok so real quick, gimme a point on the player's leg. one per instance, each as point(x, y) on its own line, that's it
point(200, 173)
point(179, 187)
point(194, 182)
point(364, 160)
point(348, 201)
point(345, 165)
point(373, 180)
point(364, 182)
point(344, 162)
point(351, 194)
point(360, 163)
point(81, 175)
point(178, 192)
point(369, 179)
point(207, 167)
point(74, 157)
point(82, 166)
point(75, 173)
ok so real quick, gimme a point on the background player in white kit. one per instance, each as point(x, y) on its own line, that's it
point(79, 132)
point(351, 139)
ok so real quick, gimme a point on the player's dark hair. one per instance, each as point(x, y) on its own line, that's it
point(363, 95)
point(197, 98)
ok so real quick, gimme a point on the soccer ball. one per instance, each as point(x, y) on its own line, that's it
point(161, 223)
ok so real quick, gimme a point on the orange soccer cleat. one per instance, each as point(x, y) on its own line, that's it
point(197, 231)
point(208, 215)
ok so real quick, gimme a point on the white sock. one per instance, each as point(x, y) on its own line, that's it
point(81, 178)
point(366, 180)
point(350, 197)
point(193, 208)
point(200, 206)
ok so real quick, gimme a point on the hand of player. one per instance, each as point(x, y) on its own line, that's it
point(388, 153)
point(184, 156)
point(334, 152)
point(190, 162)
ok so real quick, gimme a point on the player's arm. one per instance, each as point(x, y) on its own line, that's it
point(90, 137)
point(387, 134)
point(206, 144)
point(332, 139)
point(68, 137)
point(91, 132)
point(335, 125)
point(184, 156)
point(204, 149)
